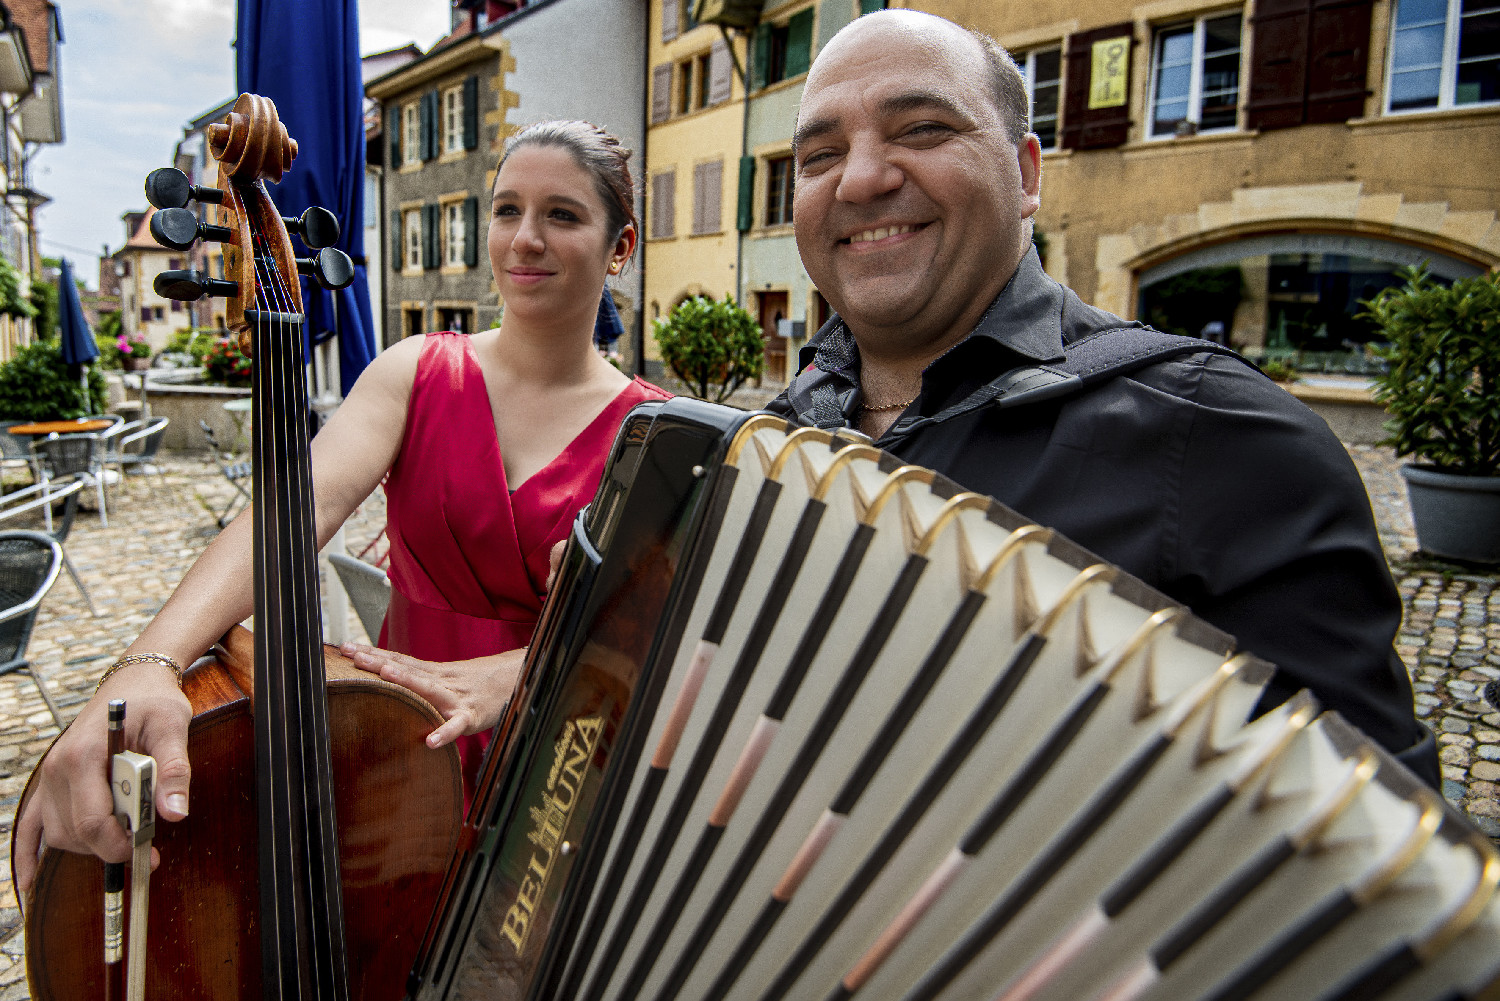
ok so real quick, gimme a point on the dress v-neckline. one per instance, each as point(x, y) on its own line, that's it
point(512, 489)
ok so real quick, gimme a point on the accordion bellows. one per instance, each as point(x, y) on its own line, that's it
point(803, 722)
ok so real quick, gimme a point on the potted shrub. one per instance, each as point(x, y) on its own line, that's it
point(1442, 392)
point(712, 346)
point(35, 386)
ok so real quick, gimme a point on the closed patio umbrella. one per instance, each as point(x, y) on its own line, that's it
point(78, 346)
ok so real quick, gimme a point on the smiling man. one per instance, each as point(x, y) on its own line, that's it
point(916, 181)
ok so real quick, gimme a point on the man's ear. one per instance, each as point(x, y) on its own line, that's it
point(1029, 159)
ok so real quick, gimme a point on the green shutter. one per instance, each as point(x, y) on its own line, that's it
point(471, 112)
point(431, 236)
point(398, 249)
point(760, 56)
point(393, 135)
point(427, 128)
point(871, 6)
point(471, 231)
point(745, 208)
point(799, 43)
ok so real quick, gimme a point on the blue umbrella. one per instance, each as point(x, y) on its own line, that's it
point(78, 346)
point(304, 56)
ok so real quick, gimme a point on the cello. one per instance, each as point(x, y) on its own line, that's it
point(322, 824)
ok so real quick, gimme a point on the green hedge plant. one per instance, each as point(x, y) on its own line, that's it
point(713, 346)
point(35, 386)
point(1443, 386)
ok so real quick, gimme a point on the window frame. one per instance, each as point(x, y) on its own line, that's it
point(1195, 77)
point(1028, 71)
point(784, 192)
point(1447, 66)
point(453, 234)
point(411, 240)
point(452, 111)
point(411, 133)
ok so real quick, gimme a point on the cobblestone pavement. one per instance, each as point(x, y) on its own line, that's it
point(1450, 638)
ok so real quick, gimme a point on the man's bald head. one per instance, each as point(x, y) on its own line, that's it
point(1007, 85)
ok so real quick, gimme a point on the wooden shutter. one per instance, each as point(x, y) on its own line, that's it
point(398, 246)
point(471, 112)
point(708, 185)
point(1339, 50)
point(720, 73)
point(871, 6)
point(760, 56)
point(799, 43)
point(471, 231)
point(1307, 62)
point(669, 22)
point(432, 236)
point(661, 93)
point(427, 116)
point(663, 208)
point(393, 135)
point(744, 211)
point(1083, 127)
point(1278, 64)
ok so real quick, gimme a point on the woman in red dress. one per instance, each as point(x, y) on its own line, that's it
point(492, 442)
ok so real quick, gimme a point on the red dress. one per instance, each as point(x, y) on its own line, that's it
point(469, 558)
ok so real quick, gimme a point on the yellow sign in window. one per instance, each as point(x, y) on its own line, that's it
point(1107, 80)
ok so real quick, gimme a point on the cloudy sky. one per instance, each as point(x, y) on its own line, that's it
point(132, 75)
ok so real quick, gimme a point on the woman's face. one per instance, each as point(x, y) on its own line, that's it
point(548, 242)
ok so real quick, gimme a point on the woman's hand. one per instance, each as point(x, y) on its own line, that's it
point(470, 694)
point(70, 806)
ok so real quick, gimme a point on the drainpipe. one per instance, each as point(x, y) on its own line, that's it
point(640, 303)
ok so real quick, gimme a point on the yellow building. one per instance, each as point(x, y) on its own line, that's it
point(1314, 147)
point(693, 149)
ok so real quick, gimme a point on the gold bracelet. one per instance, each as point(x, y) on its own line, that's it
point(142, 658)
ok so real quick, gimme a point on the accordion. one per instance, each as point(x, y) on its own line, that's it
point(800, 721)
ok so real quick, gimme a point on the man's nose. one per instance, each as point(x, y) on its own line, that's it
point(868, 173)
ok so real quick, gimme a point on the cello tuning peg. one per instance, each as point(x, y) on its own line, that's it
point(331, 269)
point(179, 229)
point(169, 188)
point(317, 226)
point(188, 286)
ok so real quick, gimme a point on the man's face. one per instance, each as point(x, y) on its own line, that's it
point(910, 198)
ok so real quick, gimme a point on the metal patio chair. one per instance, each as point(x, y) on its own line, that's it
point(29, 564)
point(368, 588)
point(148, 434)
point(15, 451)
point(44, 496)
point(236, 472)
point(75, 455)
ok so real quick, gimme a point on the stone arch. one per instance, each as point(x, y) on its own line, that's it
point(1471, 237)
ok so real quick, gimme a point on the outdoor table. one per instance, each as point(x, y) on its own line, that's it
point(79, 426)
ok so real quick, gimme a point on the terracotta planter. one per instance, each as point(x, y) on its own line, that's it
point(1456, 517)
point(131, 363)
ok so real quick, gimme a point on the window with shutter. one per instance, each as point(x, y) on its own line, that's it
point(708, 185)
point(670, 26)
point(799, 43)
point(1278, 64)
point(1339, 47)
point(779, 190)
point(471, 112)
point(471, 231)
point(663, 209)
point(411, 133)
point(744, 212)
point(452, 105)
point(720, 73)
point(661, 93)
point(412, 234)
point(1096, 111)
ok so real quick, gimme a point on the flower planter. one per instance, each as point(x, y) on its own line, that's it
point(131, 363)
point(1456, 517)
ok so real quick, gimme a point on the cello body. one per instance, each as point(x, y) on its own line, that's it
point(400, 805)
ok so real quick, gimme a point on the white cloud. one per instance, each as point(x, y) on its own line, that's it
point(132, 75)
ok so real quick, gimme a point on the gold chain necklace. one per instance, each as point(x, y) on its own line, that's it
point(889, 406)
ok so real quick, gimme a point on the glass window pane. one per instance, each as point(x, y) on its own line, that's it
point(1045, 104)
point(1176, 47)
point(1167, 117)
point(1478, 81)
point(1418, 47)
point(1048, 65)
point(1475, 6)
point(1172, 83)
point(1410, 12)
point(1221, 33)
point(1479, 36)
point(1416, 89)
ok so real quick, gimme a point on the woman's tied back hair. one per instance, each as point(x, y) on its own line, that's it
point(598, 153)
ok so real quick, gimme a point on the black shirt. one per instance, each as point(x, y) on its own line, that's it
point(1198, 475)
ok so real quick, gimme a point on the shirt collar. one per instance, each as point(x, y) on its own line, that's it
point(1025, 317)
